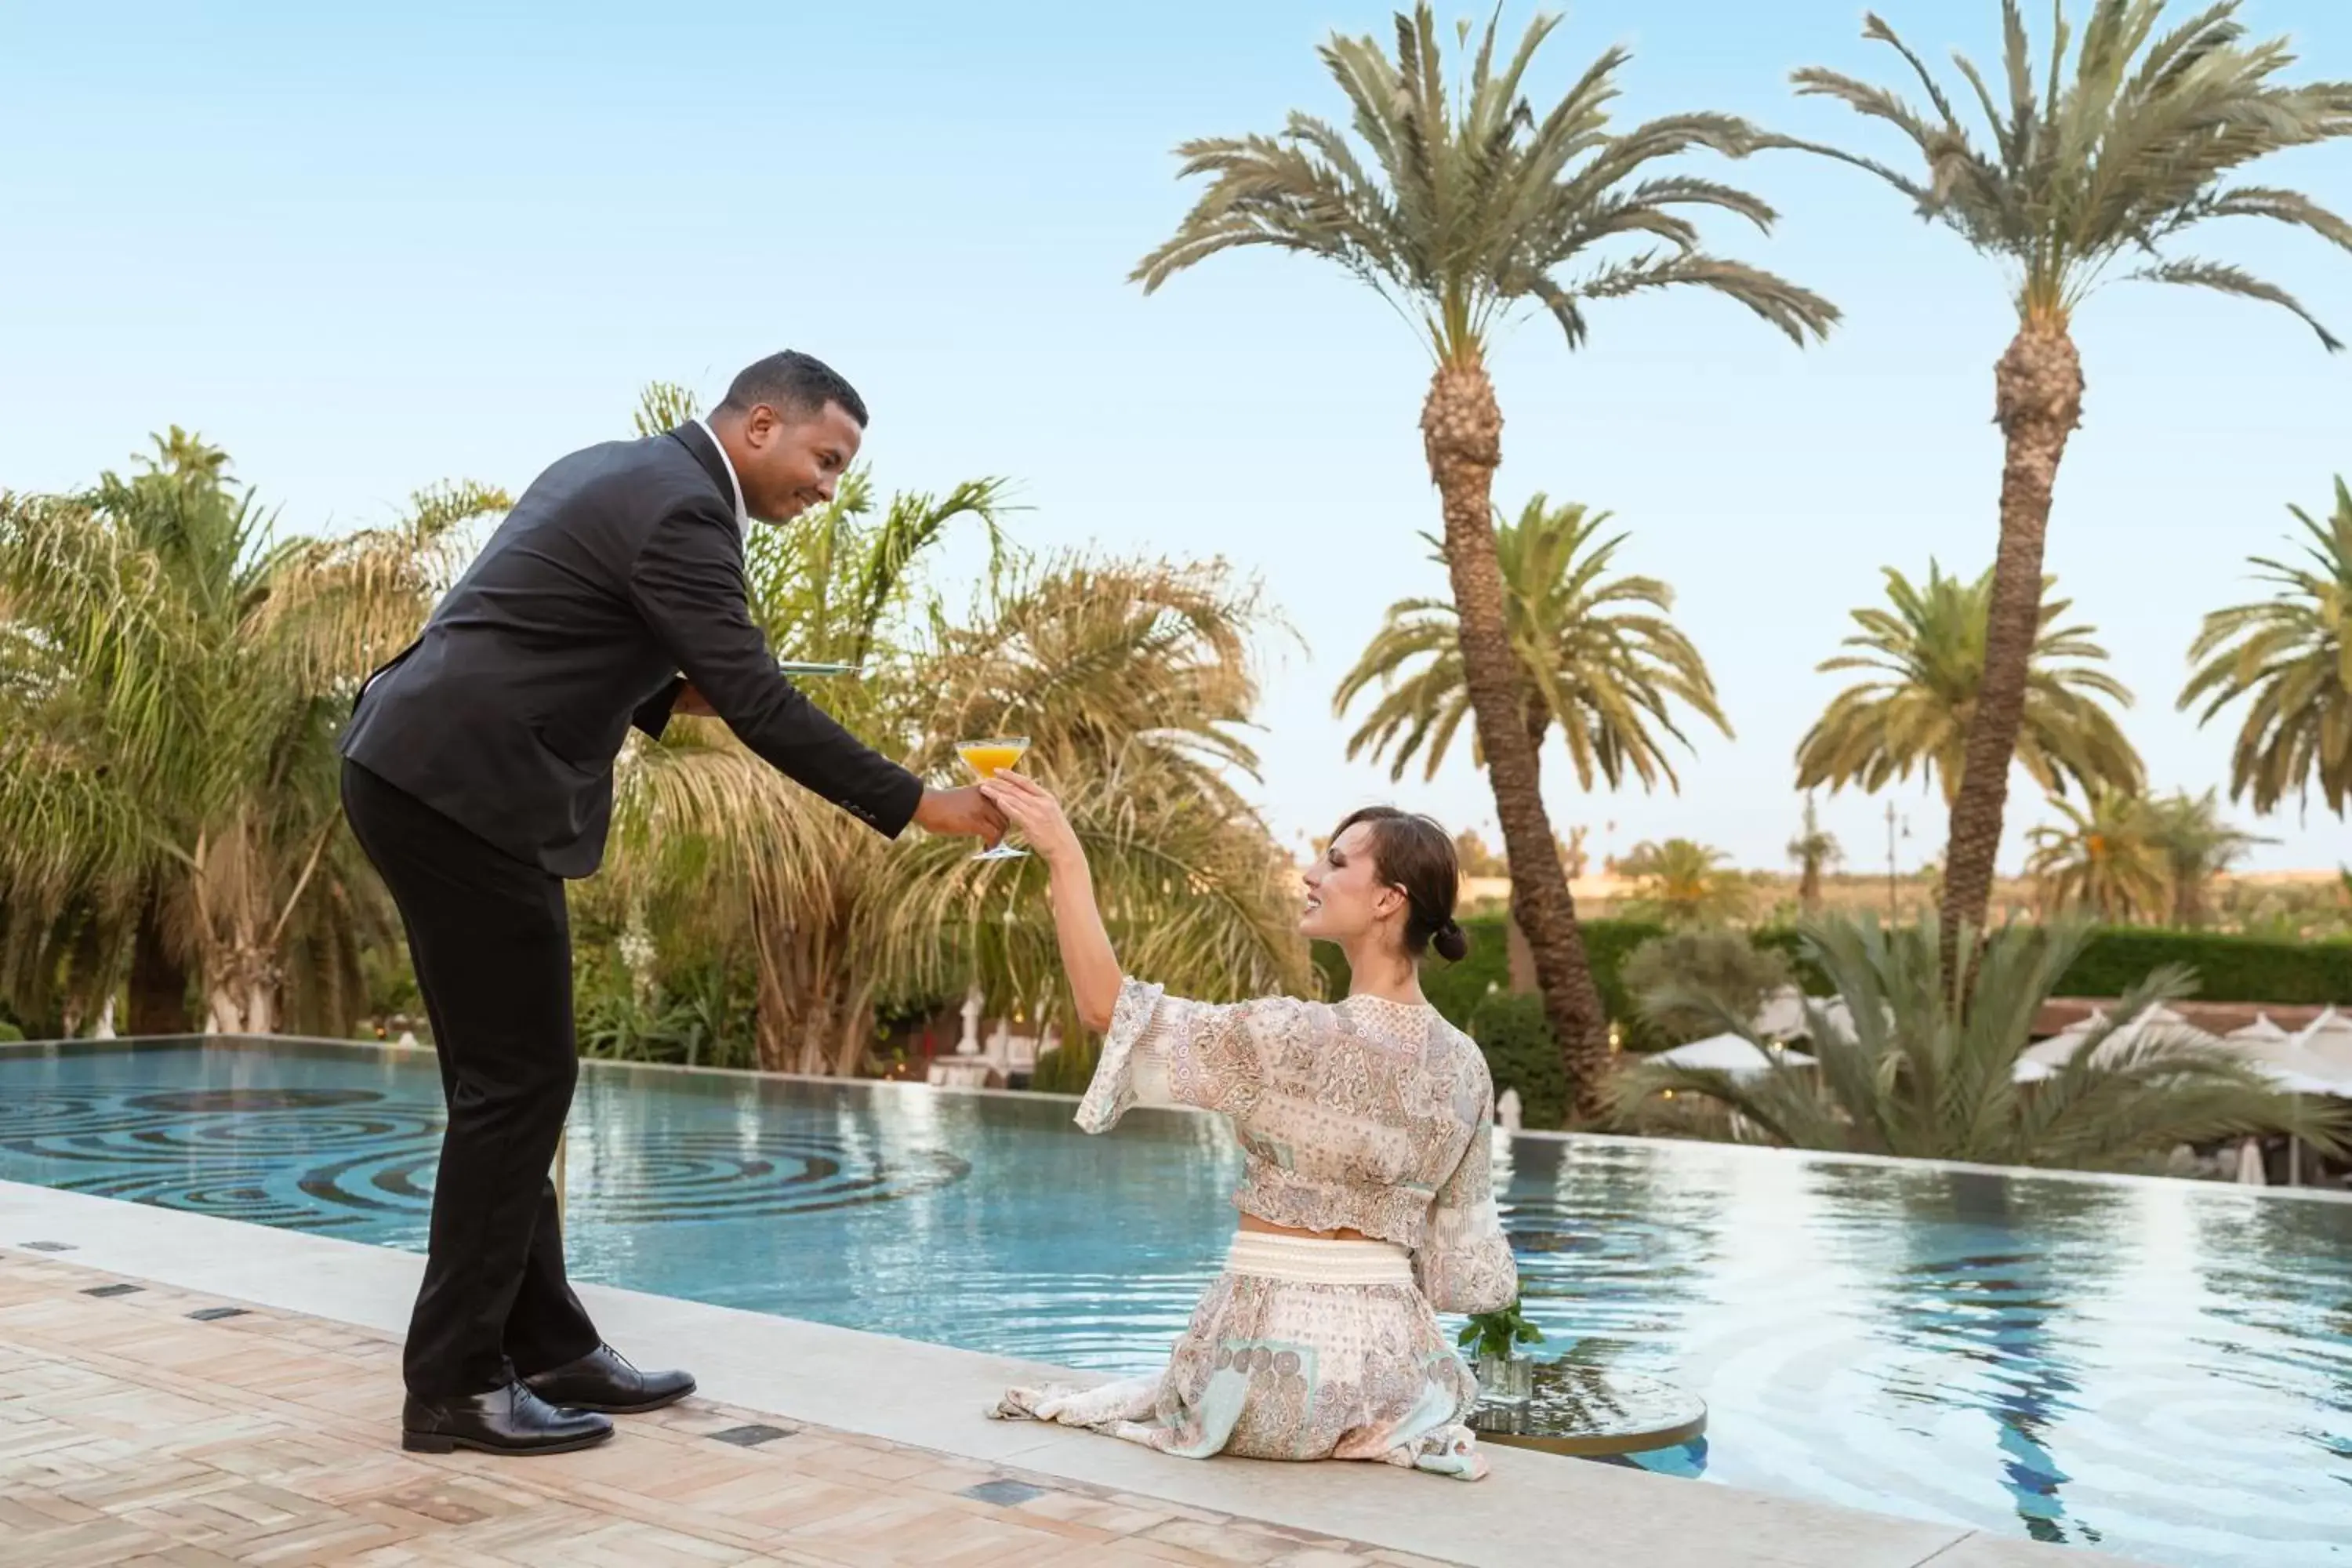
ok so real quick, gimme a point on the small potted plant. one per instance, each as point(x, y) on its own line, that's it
point(1505, 1376)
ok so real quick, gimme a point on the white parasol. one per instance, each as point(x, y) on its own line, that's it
point(1731, 1054)
point(2327, 1039)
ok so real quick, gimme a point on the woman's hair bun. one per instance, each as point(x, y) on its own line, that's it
point(1450, 942)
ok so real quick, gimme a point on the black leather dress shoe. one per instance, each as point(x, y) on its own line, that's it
point(604, 1379)
point(510, 1420)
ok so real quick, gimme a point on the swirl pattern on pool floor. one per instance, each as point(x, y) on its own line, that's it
point(325, 1159)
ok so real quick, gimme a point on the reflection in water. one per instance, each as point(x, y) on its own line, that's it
point(1974, 1266)
point(2279, 1309)
point(1613, 1246)
point(2162, 1367)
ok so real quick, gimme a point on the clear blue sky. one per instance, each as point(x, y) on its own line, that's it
point(369, 247)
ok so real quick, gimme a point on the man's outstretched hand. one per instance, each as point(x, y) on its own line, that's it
point(960, 811)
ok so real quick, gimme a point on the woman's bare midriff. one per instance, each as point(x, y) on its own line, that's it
point(1267, 1228)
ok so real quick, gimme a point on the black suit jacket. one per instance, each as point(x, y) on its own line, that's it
point(619, 567)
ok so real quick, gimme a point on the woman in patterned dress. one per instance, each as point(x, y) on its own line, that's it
point(1366, 1127)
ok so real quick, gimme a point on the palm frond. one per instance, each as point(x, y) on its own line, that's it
point(663, 406)
point(2287, 658)
point(1611, 676)
point(1457, 203)
point(1921, 1064)
point(2226, 279)
point(2128, 140)
point(1924, 654)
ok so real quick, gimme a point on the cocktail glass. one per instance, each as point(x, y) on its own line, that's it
point(984, 758)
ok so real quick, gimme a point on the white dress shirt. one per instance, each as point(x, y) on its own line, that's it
point(743, 518)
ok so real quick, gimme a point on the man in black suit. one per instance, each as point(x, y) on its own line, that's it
point(478, 777)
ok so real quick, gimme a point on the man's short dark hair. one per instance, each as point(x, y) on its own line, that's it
point(797, 382)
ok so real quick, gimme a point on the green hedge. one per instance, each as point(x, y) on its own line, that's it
point(1456, 989)
point(2228, 968)
point(1511, 1032)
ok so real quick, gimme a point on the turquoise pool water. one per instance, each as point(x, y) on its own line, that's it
point(2160, 1368)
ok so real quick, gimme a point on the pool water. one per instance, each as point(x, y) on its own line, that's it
point(2160, 1368)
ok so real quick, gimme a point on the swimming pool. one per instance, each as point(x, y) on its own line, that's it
point(2162, 1368)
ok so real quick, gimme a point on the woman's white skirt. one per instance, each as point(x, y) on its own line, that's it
point(1303, 1349)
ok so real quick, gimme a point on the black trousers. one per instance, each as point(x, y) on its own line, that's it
point(490, 939)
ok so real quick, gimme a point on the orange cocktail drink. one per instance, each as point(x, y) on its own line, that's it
point(985, 757)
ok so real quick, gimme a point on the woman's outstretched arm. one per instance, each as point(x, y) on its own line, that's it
point(1086, 954)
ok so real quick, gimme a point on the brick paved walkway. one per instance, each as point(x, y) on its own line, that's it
point(140, 1424)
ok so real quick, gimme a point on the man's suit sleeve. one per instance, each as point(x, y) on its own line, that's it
point(687, 583)
point(653, 714)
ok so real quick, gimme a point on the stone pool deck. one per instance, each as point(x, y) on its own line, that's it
point(177, 1389)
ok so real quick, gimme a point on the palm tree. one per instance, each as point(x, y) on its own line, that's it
point(1681, 882)
point(1463, 204)
point(1917, 1067)
point(2197, 846)
point(1109, 669)
point(173, 679)
point(1596, 655)
point(1814, 851)
point(663, 406)
point(2111, 167)
point(58, 959)
point(1927, 653)
point(1131, 680)
point(2290, 655)
point(2103, 858)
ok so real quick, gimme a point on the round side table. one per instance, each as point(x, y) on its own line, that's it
point(1585, 1410)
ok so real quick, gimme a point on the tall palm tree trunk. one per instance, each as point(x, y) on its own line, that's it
point(159, 981)
point(1462, 433)
point(772, 1013)
point(856, 1021)
point(240, 991)
point(2038, 402)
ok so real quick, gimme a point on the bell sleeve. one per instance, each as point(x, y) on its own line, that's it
point(1464, 1263)
point(1167, 1050)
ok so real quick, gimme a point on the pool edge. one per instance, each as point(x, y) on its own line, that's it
point(931, 1396)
